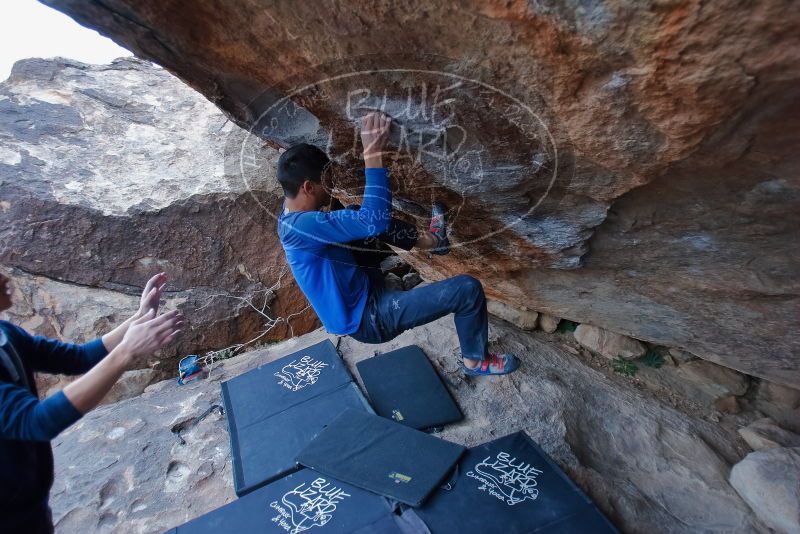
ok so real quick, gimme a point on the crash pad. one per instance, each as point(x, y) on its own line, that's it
point(275, 386)
point(511, 485)
point(298, 502)
point(403, 385)
point(382, 456)
point(275, 410)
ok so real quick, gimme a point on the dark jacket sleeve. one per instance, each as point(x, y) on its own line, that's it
point(53, 356)
point(24, 417)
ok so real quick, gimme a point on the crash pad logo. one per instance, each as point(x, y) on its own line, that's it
point(506, 478)
point(300, 373)
point(308, 506)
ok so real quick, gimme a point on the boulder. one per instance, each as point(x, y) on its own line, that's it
point(609, 344)
point(394, 264)
point(768, 481)
point(130, 384)
point(149, 463)
point(520, 317)
point(728, 404)
point(780, 403)
point(411, 280)
point(548, 323)
point(714, 381)
point(699, 381)
point(648, 184)
point(393, 282)
point(765, 434)
point(112, 173)
point(681, 356)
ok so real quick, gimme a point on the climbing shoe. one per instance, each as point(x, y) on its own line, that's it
point(494, 364)
point(438, 228)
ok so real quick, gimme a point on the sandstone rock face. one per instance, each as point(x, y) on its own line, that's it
point(522, 318)
point(609, 344)
point(768, 481)
point(110, 174)
point(681, 356)
point(548, 323)
point(780, 403)
point(728, 404)
point(699, 381)
point(714, 380)
point(765, 434)
point(624, 164)
point(147, 464)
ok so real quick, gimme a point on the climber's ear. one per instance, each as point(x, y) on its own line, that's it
point(318, 192)
point(308, 187)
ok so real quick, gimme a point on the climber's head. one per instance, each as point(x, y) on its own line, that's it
point(300, 171)
point(5, 292)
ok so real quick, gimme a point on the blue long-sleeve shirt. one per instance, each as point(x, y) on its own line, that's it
point(325, 270)
point(27, 424)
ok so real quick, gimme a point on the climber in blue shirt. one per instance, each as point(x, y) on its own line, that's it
point(320, 245)
point(27, 424)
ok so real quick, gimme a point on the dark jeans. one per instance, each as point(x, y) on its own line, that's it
point(390, 313)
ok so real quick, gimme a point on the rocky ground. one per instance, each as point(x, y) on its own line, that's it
point(653, 460)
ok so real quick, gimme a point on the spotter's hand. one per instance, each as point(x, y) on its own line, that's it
point(151, 296)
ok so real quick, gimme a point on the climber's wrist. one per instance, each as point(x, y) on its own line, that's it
point(373, 160)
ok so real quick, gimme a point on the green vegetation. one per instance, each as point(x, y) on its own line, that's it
point(624, 367)
point(653, 359)
point(566, 326)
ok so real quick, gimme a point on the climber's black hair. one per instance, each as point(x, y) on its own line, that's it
point(300, 163)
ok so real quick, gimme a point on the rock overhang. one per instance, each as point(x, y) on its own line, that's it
point(635, 95)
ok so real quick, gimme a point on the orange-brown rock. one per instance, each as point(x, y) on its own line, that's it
point(632, 165)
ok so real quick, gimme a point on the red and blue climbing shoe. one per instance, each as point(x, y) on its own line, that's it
point(438, 228)
point(494, 364)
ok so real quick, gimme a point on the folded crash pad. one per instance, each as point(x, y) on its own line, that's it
point(275, 410)
point(301, 501)
point(403, 385)
point(510, 485)
point(382, 456)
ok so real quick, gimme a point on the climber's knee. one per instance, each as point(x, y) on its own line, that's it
point(469, 285)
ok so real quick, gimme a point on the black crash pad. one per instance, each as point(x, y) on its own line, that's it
point(296, 503)
point(403, 385)
point(382, 456)
point(275, 410)
point(510, 485)
point(278, 385)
